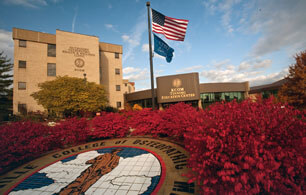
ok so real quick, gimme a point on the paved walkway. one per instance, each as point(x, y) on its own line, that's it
point(117, 166)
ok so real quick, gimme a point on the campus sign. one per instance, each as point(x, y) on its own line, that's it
point(176, 88)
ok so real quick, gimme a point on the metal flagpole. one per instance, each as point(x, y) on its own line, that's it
point(151, 61)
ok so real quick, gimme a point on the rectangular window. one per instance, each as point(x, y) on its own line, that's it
point(51, 69)
point(22, 43)
point(117, 87)
point(118, 104)
point(22, 64)
point(117, 55)
point(22, 85)
point(51, 50)
point(117, 71)
point(125, 84)
point(22, 109)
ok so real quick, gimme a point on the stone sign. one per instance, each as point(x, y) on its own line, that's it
point(175, 88)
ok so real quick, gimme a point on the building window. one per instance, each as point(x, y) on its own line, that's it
point(22, 109)
point(125, 84)
point(118, 104)
point(51, 50)
point(22, 43)
point(117, 55)
point(51, 69)
point(209, 98)
point(117, 71)
point(22, 85)
point(22, 64)
point(117, 87)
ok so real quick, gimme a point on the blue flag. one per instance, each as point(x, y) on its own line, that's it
point(161, 48)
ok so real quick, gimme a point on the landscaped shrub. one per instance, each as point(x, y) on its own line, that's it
point(249, 148)
point(23, 141)
point(144, 122)
point(177, 120)
point(109, 125)
point(70, 132)
point(172, 122)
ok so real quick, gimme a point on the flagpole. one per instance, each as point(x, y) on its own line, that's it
point(151, 60)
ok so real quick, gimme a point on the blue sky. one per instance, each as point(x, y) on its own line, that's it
point(226, 40)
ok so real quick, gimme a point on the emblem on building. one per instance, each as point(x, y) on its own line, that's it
point(79, 62)
point(177, 83)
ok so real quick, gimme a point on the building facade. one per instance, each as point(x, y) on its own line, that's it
point(265, 91)
point(40, 57)
point(186, 88)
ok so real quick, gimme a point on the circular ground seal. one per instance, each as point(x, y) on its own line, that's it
point(117, 166)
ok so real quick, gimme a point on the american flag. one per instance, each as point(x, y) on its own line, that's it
point(173, 29)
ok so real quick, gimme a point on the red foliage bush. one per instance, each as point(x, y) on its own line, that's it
point(70, 132)
point(109, 125)
point(144, 122)
point(177, 119)
point(248, 148)
point(173, 121)
point(23, 141)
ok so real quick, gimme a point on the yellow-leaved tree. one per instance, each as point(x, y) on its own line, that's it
point(68, 96)
point(294, 90)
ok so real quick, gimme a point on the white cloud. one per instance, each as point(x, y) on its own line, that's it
point(267, 79)
point(244, 66)
point(7, 44)
point(27, 3)
point(134, 75)
point(111, 27)
point(262, 64)
point(254, 64)
point(224, 7)
point(158, 73)
point(145, 48)
point(133, 39)
point(230, 74)
point(191, 69)
point(129, 70)
point(76, 10)
point(282, 25)
point(221, 63)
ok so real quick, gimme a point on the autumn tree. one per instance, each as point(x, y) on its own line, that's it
point(68, 96)
point(6, 91)
point(294, 90)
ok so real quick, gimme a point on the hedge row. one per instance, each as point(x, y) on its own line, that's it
point(247, 147)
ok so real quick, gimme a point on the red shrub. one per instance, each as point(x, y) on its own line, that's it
point(177, 119)
point(247, 148)
point(173, 121)
point(109, 125)
point(23, 141)
point(144, 122)
point(71, 132)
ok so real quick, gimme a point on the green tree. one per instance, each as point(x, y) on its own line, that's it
point(68, 96)
point(6, 91)
point(294, 90)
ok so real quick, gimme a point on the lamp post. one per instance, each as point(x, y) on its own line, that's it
point(85, 78)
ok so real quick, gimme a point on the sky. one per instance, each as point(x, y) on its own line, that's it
point(226, 40)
